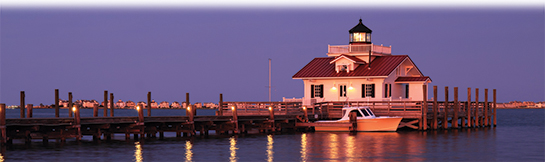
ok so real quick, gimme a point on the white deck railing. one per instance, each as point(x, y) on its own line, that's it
point(363, 48)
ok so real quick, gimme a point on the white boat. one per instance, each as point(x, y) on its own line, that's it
point(366, 121)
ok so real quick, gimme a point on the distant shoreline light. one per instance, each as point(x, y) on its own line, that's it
point(270, 3)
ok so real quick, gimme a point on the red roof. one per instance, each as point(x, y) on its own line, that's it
point(321, 67)
point(412, 79)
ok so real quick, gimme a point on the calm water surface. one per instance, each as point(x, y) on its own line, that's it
point(520, 136)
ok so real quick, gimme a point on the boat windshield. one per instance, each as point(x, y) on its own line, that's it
point(358, 114)
point(365, 112)
point(370, 112)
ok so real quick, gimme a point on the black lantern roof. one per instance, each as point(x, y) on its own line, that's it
point(360, 28)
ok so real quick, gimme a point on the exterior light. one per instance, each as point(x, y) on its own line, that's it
point(233, 108)
point(74, 109)
point(304, 108)
point(334, 88)
point(189, 108)
point(137, 107)
point(270, 108)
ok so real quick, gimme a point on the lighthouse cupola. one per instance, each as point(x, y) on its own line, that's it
point(360, 34)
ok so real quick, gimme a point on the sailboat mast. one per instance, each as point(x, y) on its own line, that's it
point(269, 80)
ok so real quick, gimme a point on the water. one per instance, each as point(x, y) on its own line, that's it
point(520, 136)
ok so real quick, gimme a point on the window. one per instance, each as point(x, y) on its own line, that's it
point(365, 112)
point(368, 90)
point(316, 91)
point(342, 90)
point(358, 114)
point(385, 90)
point(406, 90)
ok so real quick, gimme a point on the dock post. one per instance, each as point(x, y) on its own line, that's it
point(494, 97)
point(95, 110)
point(445, 117)
point(22, 107)
point(105, 103)
point(435, 107)
point(469, 120)
point(456, 109)
point(189, 113)
point(485, 108)
point(57, 103)
point(477, 116)
point(112, 106)
point(305, 111)
point(76, 111)
point(29, 110)
point(149, 104)
point(70, 104)
point(235, 118)
point(140, 109)
point(354, 121)
point(271, 118)
point(3, 132)
point(424, 121)
point(220, 106)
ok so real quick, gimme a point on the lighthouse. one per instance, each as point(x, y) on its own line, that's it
point(361, 71)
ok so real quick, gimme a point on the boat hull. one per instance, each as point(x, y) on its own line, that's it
point(385, 124)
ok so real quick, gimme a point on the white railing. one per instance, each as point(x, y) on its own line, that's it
point(363, 48)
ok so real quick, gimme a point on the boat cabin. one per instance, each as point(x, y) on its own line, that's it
point(361, 112)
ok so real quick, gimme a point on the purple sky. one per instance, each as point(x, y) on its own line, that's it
point(209, 51)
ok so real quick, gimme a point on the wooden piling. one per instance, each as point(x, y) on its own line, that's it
point(77, 121)
point(140, 109)
point(149, 104)
point(424, 120)
point(220, 106)
point(469, 110)
point(494, 106)
point(189, 112)
point(22, 107)
point(3, 138)
point(305, 112)
point(477, 116)
point(271, 118)
point(57, 103)
point(435, 107)
point(29, 110)
point(112, 106)
point(445, 117)
point(354, 121)
point(70, 104)
point(235, 118)
point(485, 108)
point(95, 110)
point(456, 109)
point(194, 111)
point(105, 103)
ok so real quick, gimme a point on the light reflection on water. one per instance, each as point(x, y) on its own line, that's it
point(233, 149)
point(188, 151)
point(270, 152)
point(304, 148)
point(138, 152)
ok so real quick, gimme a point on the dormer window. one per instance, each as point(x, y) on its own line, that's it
point(344, 67)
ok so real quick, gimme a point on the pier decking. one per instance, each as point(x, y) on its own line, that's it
point(241, 117)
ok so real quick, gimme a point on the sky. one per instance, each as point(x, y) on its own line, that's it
point(206, 51)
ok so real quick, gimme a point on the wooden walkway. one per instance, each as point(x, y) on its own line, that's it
point(241, 117)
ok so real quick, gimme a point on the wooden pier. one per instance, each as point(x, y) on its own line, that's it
point(242, 117)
